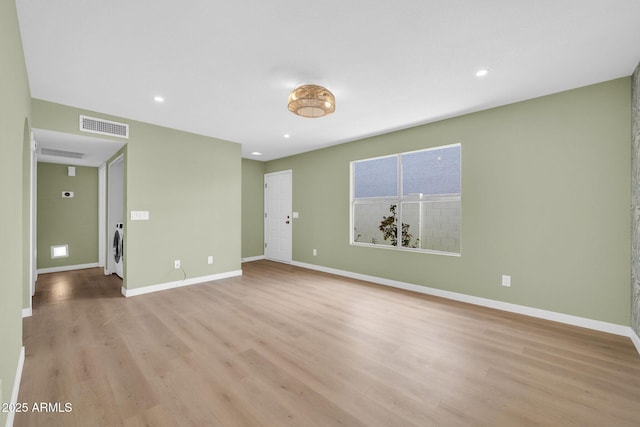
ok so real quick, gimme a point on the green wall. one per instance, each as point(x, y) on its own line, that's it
point(252, 208)
point(191, 186)
point(71, 221)
point(14, 129)
point(545, 199)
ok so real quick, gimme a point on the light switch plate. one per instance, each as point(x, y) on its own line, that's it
point(139, 215)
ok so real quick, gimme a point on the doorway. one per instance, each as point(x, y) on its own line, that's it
point(115, 217)
point(277, 216)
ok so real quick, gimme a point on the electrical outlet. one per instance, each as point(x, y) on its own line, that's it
point(176, 264)
point(210, 259)
point(506, 280)
point(315, 252)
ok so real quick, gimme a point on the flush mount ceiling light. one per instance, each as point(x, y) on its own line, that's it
point(311, 101)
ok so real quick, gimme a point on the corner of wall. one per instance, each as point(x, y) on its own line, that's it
point(635, 204)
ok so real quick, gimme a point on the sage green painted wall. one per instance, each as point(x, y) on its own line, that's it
point(14, 117)
point(545, 199)
point(191, 186)
point(252, 208)
point(72, 221)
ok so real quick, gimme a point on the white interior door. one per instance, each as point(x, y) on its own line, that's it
point(277, 216)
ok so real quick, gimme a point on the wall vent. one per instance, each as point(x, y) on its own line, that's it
point(104, 127)
point(61, 153)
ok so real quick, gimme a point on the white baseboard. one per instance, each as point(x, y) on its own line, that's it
point(178, 283)
point(67, 268)
point(27, 312)
point(597, 325)
point(253, 258)
point(16, 387)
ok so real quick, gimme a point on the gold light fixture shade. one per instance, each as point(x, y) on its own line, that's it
point(311, 101)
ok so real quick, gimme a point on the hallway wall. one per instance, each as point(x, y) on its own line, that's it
point(71, 221)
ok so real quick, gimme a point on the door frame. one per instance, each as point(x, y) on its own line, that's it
point(102, 217)
point(33, 218)
point(288, 172)
point(109, 268)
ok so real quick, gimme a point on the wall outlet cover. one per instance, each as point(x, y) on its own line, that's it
point(506, 280)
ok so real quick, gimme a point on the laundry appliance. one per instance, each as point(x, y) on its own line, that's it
point(118, 249)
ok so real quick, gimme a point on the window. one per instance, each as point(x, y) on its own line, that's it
point(421, 190)
point(59, 251)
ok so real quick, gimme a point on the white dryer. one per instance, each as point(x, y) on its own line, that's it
point(118, 249)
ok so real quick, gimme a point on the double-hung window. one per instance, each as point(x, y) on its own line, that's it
point(408, 201)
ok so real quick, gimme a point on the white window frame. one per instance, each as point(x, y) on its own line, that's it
point(398, 201)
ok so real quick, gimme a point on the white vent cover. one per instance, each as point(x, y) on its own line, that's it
point(104, 127)
point(61, 153)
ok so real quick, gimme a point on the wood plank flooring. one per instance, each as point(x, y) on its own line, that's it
point(284, 346)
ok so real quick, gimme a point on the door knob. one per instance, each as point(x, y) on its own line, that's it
point(286, 222)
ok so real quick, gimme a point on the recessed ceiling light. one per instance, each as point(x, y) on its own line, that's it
point(286, 135)
point(158, 98)
point(482, 72)
point(256, 153)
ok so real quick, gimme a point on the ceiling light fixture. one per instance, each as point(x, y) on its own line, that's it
point(158, 98)
point(286, 136)
point(256, 153)
point(481, 73)
point(311, 101)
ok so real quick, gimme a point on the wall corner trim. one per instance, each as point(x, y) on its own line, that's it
point(253, 258)
point(16, 387)
point(635, 339)
point(27, 312)
point(596, 325)
point(178, 283)
point(67, 268)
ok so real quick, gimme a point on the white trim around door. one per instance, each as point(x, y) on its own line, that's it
point(278, 216)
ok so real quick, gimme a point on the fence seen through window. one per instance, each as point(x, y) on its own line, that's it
point(409, 200)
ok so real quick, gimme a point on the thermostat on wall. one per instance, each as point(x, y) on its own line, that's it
point(67, 194)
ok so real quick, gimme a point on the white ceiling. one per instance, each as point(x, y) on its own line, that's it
point(95, 150)
point(225, 69)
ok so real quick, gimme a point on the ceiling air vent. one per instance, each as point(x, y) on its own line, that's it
point(61, 153)
point(104, 127)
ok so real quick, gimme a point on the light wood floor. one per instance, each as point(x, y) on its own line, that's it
point(286, 346)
